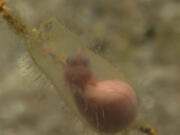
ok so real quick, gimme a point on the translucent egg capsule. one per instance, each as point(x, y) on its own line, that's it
point(86, 81)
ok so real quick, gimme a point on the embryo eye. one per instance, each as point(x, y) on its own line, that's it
point(77, 61)
point(85, 61)
point(70, 61)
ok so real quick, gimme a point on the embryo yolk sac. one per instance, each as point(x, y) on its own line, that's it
point(110, 105)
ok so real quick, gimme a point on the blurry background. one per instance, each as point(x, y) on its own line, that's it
point(141, 38)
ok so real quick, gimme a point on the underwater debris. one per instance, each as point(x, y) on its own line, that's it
point(19, 26)
point(146, 128)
